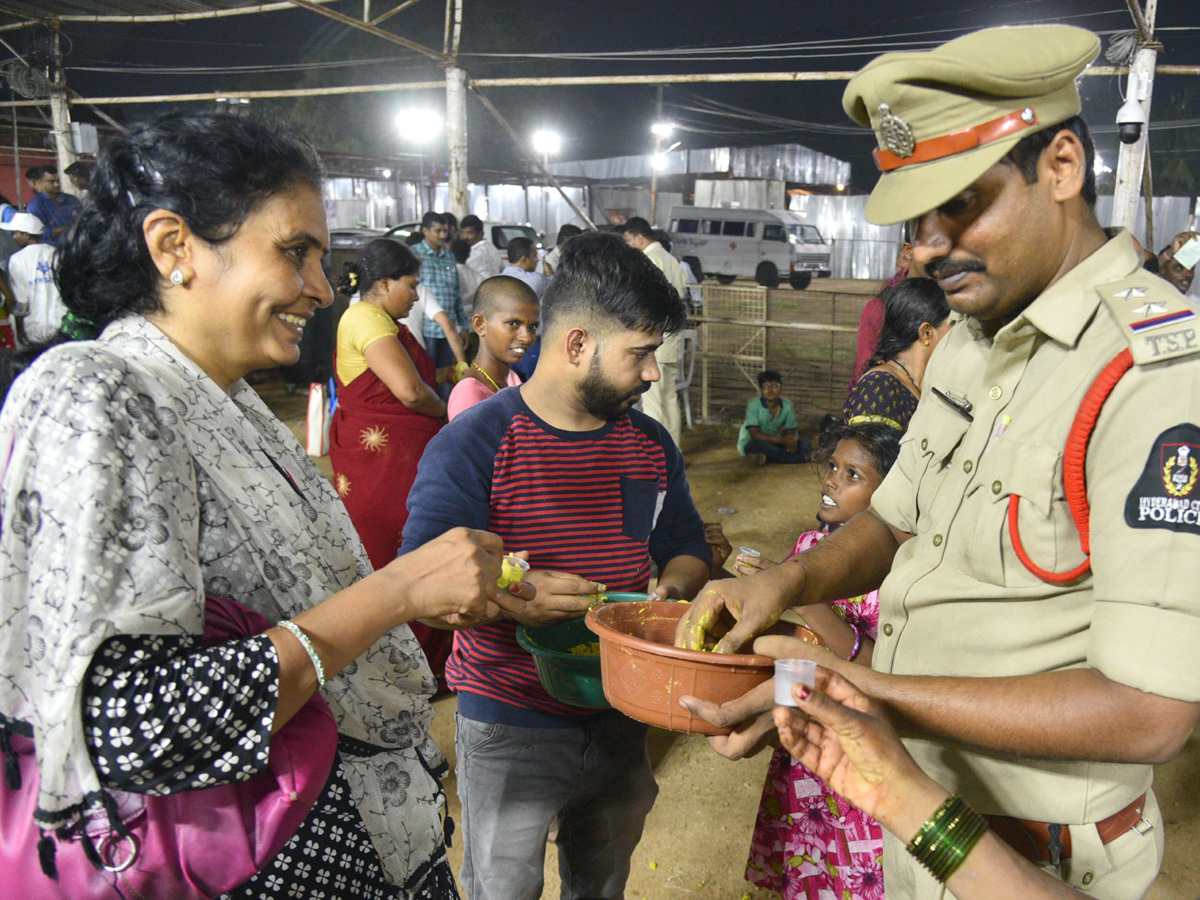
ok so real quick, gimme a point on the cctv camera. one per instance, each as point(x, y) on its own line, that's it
point(1131, 117)
point(1129, 132)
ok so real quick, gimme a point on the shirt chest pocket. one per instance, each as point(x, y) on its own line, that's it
point(938, 435)
point(641, 503)
point(1039, 514)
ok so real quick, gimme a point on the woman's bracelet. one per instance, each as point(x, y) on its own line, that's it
point(941, 844)
point(308, 648)
point(857, 641)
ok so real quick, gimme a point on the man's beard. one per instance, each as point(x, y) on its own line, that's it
point(603, 399)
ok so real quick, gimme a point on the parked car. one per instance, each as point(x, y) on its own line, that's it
point(768, 245)
point(500, 234)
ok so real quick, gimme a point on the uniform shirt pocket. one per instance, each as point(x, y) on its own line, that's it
point(639, 507)
point(1047, 532)
point(939, 433)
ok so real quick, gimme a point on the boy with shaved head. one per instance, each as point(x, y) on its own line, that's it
point(506, 322)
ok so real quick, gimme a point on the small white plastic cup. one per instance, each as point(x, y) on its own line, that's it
point(789, 672)
point(748, 552)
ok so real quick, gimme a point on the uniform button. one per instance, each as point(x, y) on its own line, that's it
point(996, 487)
point(1087, 879)
point(887, 629)
point(937, 540)
point(924, 444)
point(996, 393)
point(968, 466)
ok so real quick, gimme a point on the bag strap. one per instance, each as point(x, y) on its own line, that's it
point(1074, 471)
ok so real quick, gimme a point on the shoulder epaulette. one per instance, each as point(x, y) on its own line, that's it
point(1158, 322)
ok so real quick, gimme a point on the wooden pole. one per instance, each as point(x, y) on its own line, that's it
point(60, 116)
point(1131, 159)
point(713, 78)
point(495, 113)
point(456, 139)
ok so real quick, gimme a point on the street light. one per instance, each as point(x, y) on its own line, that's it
point(420, 125)
point(661, 131)
point(547, 143)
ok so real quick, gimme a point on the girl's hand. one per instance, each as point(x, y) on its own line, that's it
point(714, 535)
point(748, 565)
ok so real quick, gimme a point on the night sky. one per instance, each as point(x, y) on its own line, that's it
point(600, 121)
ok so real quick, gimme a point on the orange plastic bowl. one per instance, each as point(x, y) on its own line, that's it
point(645, 674)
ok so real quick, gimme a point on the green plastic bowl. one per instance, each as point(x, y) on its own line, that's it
point(568, 677)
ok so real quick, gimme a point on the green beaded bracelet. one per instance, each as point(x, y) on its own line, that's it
point(942, 843)
point(308, 648)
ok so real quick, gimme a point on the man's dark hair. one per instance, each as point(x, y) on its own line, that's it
point(461, 250)
point(599, 276)
point(471, 221)
point(1026, 153)
point(432, 218)
point(566, 233)
point(79, 167)
point(639, 226)
point(1150, 263)
point(33, 173)
point(451, 219)
point(519, 248)
point(769, 375)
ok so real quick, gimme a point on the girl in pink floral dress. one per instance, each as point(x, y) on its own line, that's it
point(809, 843)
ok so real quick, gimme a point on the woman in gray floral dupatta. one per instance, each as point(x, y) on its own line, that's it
point(145, 475)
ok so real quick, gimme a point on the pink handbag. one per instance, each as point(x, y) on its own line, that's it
point(184, 846)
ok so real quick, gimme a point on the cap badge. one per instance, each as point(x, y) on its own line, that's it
point(895, 133)
point(1028, 116)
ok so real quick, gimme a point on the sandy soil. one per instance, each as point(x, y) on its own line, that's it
point(697, 835)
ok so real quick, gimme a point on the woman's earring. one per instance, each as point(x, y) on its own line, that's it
point(177, 277)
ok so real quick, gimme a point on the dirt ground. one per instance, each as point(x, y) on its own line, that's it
point(697, 836)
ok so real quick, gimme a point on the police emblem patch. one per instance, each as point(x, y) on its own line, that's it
point(1165, 495)
point(895, 133)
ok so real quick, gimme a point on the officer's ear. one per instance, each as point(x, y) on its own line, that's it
point(1063, 165)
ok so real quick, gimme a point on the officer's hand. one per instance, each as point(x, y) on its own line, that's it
point(560, 597)
point(755, 603)
point(750, 717)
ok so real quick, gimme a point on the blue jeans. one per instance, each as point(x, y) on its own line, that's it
point(512, 781)
point(777, 453)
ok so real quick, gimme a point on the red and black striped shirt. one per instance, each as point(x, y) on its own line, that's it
point(599, 504)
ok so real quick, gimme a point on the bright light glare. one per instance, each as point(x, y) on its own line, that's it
point(386, 173)
point(662, 129)
point(659, 161)
point(419, 125)
point(1099, 166)
point(546, 143)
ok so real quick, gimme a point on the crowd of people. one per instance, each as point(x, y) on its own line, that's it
point(187, 603)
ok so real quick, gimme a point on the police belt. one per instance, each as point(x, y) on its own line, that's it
point(1047, 842)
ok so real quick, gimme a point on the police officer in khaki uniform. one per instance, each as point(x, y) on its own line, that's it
point(1038, 682)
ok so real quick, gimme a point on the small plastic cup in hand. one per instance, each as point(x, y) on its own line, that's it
point(790, 672)
point(748, 552)
point(512, 571)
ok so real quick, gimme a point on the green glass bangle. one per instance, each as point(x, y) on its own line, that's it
point(942, 843)
point(308, 648)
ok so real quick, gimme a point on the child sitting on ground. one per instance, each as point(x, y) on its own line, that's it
point(506, 321)
point(808, 842)
point(769, 433)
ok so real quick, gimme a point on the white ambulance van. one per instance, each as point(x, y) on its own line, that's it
point(768, 245)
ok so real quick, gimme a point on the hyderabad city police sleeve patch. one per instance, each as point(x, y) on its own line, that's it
point(1167, 495)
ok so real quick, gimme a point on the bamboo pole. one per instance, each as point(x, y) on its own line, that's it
point(714, 78)
point(387, 15)
point(167, 17)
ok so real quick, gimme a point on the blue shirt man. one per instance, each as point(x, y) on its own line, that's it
point(56, 209)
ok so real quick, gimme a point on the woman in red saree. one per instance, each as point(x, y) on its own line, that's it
point(388, 409)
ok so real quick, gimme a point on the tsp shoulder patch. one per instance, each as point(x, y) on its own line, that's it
point(1167, 495)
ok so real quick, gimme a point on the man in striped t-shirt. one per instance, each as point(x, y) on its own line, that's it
point(563, 467)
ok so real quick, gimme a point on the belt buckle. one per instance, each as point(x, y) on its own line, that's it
point(1143, 826)
point(1054, 845)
